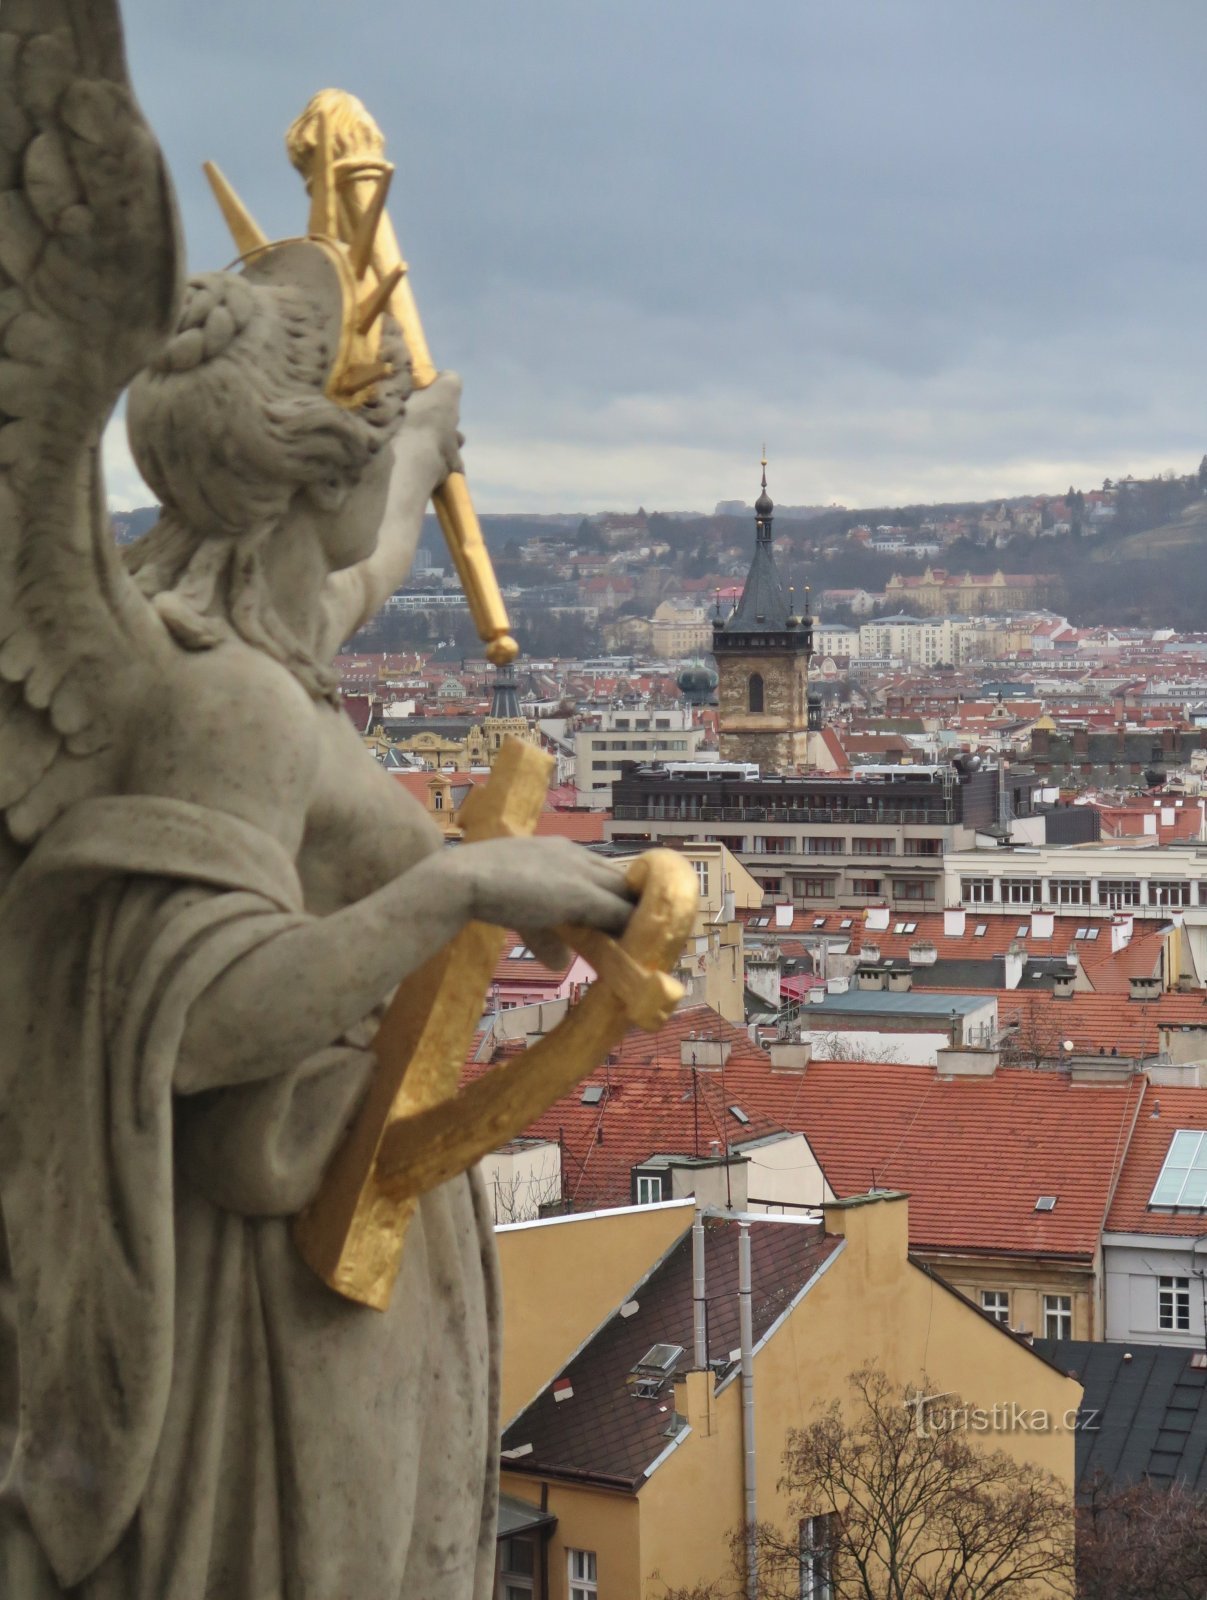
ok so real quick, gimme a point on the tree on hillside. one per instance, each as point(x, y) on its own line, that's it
point(1144, 1541)
point(893, 1497)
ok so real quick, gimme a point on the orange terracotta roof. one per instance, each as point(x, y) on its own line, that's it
point(584, 827)
point(974, 1153)
point(1165, 1110)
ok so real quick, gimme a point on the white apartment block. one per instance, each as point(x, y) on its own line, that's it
point(643, 734)
point(922, 641)
point(1091, 880)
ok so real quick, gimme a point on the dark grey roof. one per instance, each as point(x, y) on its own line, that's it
point(521, 1516)
point(504, 702)
point(763, 607)
point(1144, 1412)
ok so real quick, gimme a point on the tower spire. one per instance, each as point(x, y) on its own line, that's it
point(764, 508)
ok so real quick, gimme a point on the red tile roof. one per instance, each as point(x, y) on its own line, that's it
point(585, 827)
point(1164, 1111)
point(974, 1153)
point(1094, 1023)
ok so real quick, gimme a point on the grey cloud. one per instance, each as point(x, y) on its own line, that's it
point(911, 244)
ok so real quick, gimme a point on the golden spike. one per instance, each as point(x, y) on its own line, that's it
point(365, 236)
point(322, 183)
point(362, 376)
point(245, 231)
point(372, 307)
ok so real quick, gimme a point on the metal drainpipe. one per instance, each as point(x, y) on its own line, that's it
point(746, 1341)
point(699, 1304)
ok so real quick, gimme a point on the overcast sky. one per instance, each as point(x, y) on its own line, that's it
point(926, 249)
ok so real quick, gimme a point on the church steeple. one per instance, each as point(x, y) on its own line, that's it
point(504, 701)
point(764, 508)
point(763, 649)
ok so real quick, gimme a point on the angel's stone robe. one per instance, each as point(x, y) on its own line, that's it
point(199, 1417)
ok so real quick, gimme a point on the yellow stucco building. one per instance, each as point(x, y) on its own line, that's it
point(627, 1450)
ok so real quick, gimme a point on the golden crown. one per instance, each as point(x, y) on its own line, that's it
point(347, 203)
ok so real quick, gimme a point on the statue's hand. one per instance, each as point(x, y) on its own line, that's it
point(429, 442)
point(539, 883)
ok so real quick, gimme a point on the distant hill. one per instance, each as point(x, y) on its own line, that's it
point(131, 525)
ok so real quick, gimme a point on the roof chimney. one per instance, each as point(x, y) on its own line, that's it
point(900, 980)
point(923, 953)
point(953, 924)
point(1063, 979)
point(1015, 961)
point(876, 917)
point(790, 1055)
point(1144, 988)
point(869, 975)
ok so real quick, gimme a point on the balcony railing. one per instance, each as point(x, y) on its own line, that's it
point(907, 817)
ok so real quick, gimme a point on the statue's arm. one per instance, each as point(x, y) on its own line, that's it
point(425, 452)
point(302, 988)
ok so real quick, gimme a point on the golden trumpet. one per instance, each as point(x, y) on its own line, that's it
point(358, 181)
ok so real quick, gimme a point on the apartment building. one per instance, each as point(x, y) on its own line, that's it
point(1094, 880)
point(922, 641)
point(877, 835)
point(635, 734)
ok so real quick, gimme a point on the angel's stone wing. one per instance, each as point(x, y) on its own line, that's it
point(89, 286)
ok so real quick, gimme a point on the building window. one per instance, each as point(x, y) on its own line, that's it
point(1173, 1304)
point(924, 847)
point(977, 891)
point(1070, 891)
point(1058, 1316)
point(873, 847)
point(1118, 893)
point(865, 886)
point(754, 691)
point(996, 1304)
point(817, 1558)
point(647, 1188)
point(812, 888)
point(1175, 892)
point(913, 889)
point(583, 1582)
point(703, 876)
point(1019, 891)
point(517, 1569)
point(825, 846)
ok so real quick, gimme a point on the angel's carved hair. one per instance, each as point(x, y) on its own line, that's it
point(227, 426)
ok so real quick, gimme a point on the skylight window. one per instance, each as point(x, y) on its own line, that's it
point(845, 923)
point(1183, 1177)
point(911, 927)
point(660, 1358)
point(1082, 933)
point(1091, 934)
point(518, 952)
point(1021, 931)
point(981, 929)
point(898, 927)
point(593, 1094)
point(739, 1115)
point(1046, 1202)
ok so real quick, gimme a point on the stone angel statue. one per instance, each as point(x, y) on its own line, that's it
point(208, 890)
